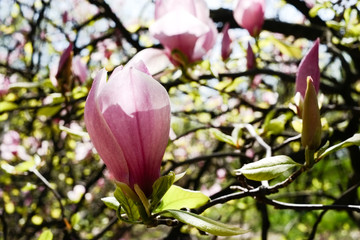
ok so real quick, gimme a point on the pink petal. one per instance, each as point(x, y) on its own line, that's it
point(100, 133)
point(309, 66)
point(79, 69)
point(155, 60)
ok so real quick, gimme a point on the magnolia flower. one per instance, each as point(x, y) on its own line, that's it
point(128, 120)
point(184, 28)
point(226, 42)
point(249, 14)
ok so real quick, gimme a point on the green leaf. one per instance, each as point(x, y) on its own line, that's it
point(179, 176)
point(354, 140)
point(160, 187)
point(25, 85)
point(111, 202)
point(177, 198)
point(335, 25)
point(7, 106)
point(205, 224)
point(267, 168)
point(49, 111)
point(24, 166)
point(289, 50)
point(46, 235)
point(314, 10)
point(75, 219)
point(223, 137)
point(129, 206)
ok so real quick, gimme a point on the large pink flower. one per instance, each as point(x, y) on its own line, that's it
point(249, 14)
point(184, 26)
point(128, 120)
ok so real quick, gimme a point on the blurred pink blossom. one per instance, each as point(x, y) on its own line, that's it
point(79, 69)
point(4, 85)
point(186, 28)
point(11, 148)
point(249, 14)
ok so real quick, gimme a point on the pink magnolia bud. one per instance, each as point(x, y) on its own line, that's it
point(128, 120)
point(250, 58)
point(226, 42)
point(184, 28)
point(309, 66)
point(249, 14)
point(64, 73)
point(311, 129)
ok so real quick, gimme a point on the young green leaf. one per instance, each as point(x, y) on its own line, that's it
point(223, 137)
point(111, 202)
point(24, 166)
point(177, 198)
point(267, 168)
point(46, 235)
point(7, 106)
point(354, 140)
point(160, 187)
point(205, 224)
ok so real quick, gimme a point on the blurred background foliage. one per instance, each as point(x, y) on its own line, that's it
point(52, 179)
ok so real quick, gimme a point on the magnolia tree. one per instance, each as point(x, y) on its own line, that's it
point(179, 119)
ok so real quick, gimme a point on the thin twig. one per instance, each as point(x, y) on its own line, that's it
point(56, 194)
point(296, 206)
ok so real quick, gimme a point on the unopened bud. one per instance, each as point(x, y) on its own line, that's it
point(311, 129)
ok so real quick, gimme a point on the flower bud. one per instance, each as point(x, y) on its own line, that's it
point(250, 58)
point(249, 14)
point(64, 73)
point(309, 66)
point(311, 129)
point(226, 42)
point(128, 120)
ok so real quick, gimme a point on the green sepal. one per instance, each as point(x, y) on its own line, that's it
point(177, 198)
point(128, 204)
point(203, 223)
point(267, 168)
point(160, 187)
